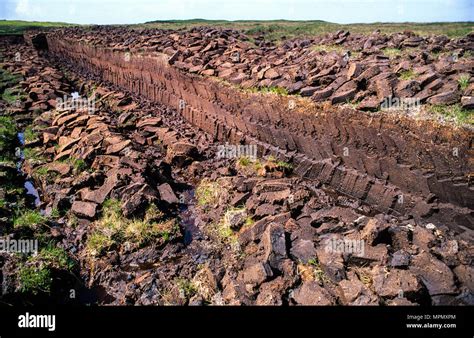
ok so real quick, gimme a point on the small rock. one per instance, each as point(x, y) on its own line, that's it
point(332, 264)
point(354, 292)
point(375, 232)
point(400, 259)
point(391, 284)
point(167, 194)
point(310, 293)
point(84, 209)
point(435, 275)
point(467, 102)
point(303, 250)
point(257, 274)
point(274, 244)
point(236, 218)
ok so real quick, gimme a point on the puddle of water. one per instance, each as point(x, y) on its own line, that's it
point(187, 218)
point(30, 188)
point(21, 138)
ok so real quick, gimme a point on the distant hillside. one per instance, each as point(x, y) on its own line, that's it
point(18, 27)
point(272, 29)
point(278, 29)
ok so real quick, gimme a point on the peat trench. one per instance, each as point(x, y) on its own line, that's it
point(426, 188)
point(187, 209)
point(276, 258)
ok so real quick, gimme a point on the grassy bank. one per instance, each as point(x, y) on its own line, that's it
point(17, 27)
point(280, 29)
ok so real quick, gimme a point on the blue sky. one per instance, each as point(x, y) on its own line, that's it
point(136, 11)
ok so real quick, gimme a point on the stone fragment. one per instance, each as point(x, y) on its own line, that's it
point(84, 209)
point(257, 274)
point(435, 275)
point(274, 244)
point(167, 194)
point(310, 293)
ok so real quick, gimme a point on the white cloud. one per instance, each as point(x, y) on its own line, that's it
point(25, 10)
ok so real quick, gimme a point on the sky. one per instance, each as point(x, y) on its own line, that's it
point(138, 11)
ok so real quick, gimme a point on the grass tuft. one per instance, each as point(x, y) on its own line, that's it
point(408, 75)
point(29, 219)
point(113, 228)
point(33, 279)
point(208, 193)
point(464, 81)
point(7, 132)
point(454, 113)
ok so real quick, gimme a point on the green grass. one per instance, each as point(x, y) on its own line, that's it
point(453, 112)
point(468, 54)
point(222, 230)
point(408, 75)
point(143, 232)
point(318, 271)
point(249, 221)
point(29, 219)
point(272, 29)
point(42, 171)
point(18, 27)
point(392, 52)
point(284, 165)
point(55, 213)
point(329, 48)
point(186, 287)
point(55, 257)
point(208, 193)
point(36, 274)
point(7, 132)
point(30, 134)
point(78, 164)
point(250, 166)
point(113, 228)
point(11, 92)
point(279, 29)
point(464, 81)
point(244, 161)
point(97, 243)
point(268, 90)
point(33, 154)
point(8, 79)
point(33, 279)
point(12, 95)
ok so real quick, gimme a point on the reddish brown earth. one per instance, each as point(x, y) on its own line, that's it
point(350, 168)
point(372, 157)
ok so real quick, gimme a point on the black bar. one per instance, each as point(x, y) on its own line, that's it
point(224, 321)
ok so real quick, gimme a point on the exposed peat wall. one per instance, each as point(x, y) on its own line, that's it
point(392, 162)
